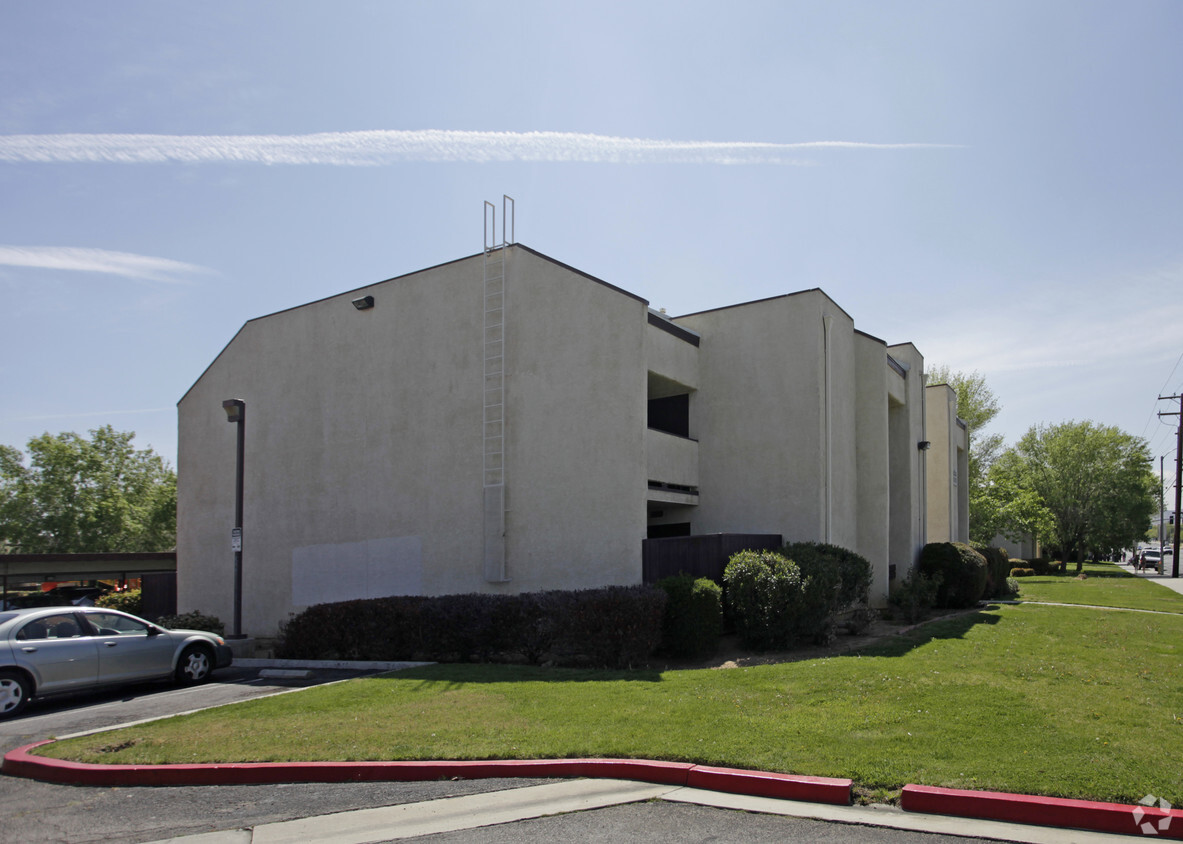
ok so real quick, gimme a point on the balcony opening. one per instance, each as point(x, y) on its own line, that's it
point(669, 406)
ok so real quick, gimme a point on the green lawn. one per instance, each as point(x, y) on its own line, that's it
point(1108, 585)
point(1053, 700)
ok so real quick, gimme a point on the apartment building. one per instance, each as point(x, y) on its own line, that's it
point(505, 423)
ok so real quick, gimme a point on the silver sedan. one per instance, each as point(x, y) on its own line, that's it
point(49, 650)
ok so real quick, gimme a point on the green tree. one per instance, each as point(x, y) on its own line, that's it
point(1095, 481)
point(977, 405)
point(1008, 508)
point(86, 495)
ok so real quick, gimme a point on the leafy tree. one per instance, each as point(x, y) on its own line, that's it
point(1095, 481)
point(1008, 508)
point(86, 495)
point(977, 405)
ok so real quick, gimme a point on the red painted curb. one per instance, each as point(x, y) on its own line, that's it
point(22, 763)
point(1044, 811)
point(761, 784)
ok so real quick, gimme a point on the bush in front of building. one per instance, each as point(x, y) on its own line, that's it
point(915, 595)
point(693, 619)
point(130, 600)
point(1021, 571)
point(193, 621)
point(764, 595)
point(1039, 565)
point(998, 566)
point(610, 627)
point(963, 573)
point(833, 580)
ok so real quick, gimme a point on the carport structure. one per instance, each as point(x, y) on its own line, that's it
point(157, 570)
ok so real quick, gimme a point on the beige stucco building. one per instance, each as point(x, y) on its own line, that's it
point(506, 423)
point(947, 466)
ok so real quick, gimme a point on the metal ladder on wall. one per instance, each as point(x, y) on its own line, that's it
point(493, 414)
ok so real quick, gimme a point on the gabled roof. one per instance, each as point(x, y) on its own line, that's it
point(514, 246)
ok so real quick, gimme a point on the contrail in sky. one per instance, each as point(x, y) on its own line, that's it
point(125, 264)
point(381, 147)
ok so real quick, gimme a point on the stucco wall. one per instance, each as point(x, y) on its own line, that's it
point(758, 418)
point(947, 467)
point(872, 454)
point(907, 474)
point(361, 427)
point(363, 448)
point(575, 389)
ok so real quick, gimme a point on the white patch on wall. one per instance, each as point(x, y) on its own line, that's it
point(374, 568)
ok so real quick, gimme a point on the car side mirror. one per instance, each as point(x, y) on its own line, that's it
point(154, 630)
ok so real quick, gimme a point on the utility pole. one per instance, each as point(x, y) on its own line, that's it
point(1178, 477)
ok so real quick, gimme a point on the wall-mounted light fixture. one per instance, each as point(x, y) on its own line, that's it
point(924, 445)
point(364, 303)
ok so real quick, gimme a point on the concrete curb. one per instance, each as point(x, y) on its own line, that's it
point(1044, 811)
point(980, 805)
point(22, 763)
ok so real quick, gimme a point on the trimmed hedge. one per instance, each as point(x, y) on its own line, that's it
point(1022, 572)
point(962, 570)
point(693, 619)
point(193, 621)
point(764, 594)
point(998, 566)
point(611, 627)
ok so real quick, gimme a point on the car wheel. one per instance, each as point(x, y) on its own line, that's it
point(14, 693)
point(195, 665)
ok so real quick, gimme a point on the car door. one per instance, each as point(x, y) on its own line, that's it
point(55, 649)
point(127, 650)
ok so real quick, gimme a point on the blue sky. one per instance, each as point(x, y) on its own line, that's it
point(1000, 183)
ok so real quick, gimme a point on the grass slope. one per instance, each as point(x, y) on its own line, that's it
point(1063, 701)
point(1107, 585)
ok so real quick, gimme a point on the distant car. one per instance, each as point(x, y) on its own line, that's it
point(1151, 559)
point(50, 650)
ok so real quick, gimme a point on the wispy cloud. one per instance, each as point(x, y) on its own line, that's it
point(79, 259)
point(376, 148)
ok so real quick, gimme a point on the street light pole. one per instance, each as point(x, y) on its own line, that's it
point(1178, 478)
point(236, 413)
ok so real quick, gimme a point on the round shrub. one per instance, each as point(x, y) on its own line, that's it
point(764, 591)
point(962, 571)
point(833, 578)
point(693, 617)
point(998, 566)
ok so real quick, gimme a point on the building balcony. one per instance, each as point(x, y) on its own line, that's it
point(672, 467)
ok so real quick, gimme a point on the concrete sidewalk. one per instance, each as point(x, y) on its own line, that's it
point(1175, 583)
point(392, 823)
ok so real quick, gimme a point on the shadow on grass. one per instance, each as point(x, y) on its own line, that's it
point(946, 628)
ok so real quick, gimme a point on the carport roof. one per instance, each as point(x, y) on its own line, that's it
point(85, 566)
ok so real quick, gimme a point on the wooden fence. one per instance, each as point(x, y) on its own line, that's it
point(701, 556)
